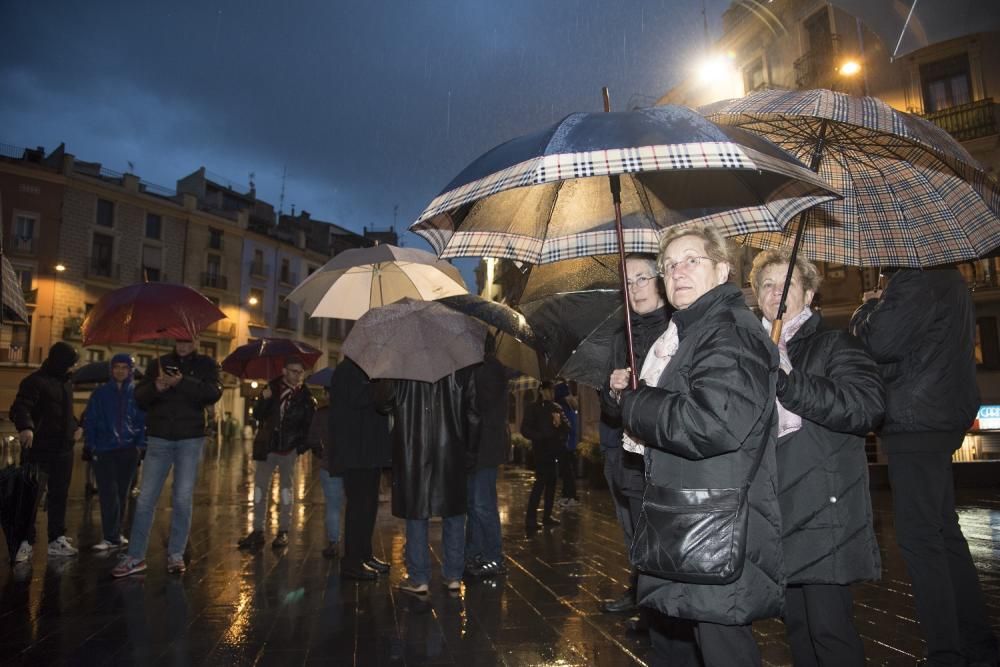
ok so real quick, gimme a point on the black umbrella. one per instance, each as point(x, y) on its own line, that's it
point(19, 486)
point(580, 274)
point(321, 377)
point(97, 372)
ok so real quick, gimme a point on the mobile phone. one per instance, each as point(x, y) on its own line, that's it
point(171, 370)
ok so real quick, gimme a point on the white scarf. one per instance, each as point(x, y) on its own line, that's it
point(788, 421)
point(653, 365)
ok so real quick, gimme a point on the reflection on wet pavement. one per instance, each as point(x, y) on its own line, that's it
point(289, 607)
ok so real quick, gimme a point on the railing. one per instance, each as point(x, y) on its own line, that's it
point(24, 244)
point(15, 152)
point(285, 322)
point(214, 281)
point(111, 173)
point(967, 121)
point(816, 67)
point(155, 189)
point(13, 354)
point(97, 268)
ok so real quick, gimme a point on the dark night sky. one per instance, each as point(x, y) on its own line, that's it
point(366, 104)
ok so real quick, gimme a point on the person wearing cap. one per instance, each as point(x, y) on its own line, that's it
point(42, 412)
point(175, 392)
point(284, 411)
point(114, 430)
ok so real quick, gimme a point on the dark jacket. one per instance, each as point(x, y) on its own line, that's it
point(434, 438)
point(178, 413)
point(359, 434)
point(645, 330)
point(112, 418)
point(826, 510)
point(44, 404)
point(491, 403)
point(922, 332)
point(547, 436)
point(282, 434)
point(703, 425)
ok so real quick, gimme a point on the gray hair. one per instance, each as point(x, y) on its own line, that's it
point(715, 243)
point(808, 272)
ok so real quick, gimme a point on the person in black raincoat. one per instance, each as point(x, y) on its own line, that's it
point(703, 413)
point(435, 435)
point(921, 330)
point(545, 425)
point(830, 396)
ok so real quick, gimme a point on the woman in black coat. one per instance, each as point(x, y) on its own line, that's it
point(830, 395)
point(706, 414)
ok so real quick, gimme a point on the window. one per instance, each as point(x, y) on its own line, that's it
point(257, 266)
point(753, 76)
point(153, 226)
point(142, 360)
point(284, 318)
point(214, 265)
point(102, 255)
point(286, 271)
point(215, 239)
point(95, 355)
point(208, 349)
point(24, 232)
point(152, 263)
point(105, 213)
point(25, 278)
point(946, 83)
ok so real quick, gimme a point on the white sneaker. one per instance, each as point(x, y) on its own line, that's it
point(23, 554)
point(104, 545)
point(62, 547)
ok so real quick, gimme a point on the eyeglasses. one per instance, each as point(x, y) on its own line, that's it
point(640, 281)
point(687, 264)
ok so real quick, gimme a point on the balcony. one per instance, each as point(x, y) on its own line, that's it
point(213, 280)
point(313, 327)
point(149, 274)
point(816, 67)
point(72, 328)
point(289, 278)
point(24, 245)
point(222, 329)
point(31, 296)
point(102, 269)
point(259, 269)
point(285, 323)
point(969, 121)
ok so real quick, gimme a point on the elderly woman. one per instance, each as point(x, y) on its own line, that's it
point(829, 397)
point(706, 414)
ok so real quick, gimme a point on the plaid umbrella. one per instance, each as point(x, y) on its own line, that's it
point(544, 197)
point(912, 196)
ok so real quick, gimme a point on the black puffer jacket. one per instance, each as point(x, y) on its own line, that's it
point(282, 434)
point(645, 330)
point(703, 425)
point(44, 404)
point(826, 510)
point(922, 332)
point(178, 413)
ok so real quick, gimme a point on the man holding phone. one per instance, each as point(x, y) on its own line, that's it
point(175, 392)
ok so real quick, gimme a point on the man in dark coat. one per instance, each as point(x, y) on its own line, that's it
point(545, 425)
point(42, 413)
point(483, 545)
point(357, 450)
point(434, 439)
point(921, 330)
point(831, 396)
point(624, 469)
point(176, 392)
point(284, 411)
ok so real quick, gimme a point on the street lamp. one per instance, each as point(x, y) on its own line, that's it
point(849, 68)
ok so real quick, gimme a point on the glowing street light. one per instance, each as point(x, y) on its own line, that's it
point(849, 68)
point(60, 267)
point(715, 69)
point(252, 301)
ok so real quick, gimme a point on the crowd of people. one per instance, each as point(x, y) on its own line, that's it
point(735, 457)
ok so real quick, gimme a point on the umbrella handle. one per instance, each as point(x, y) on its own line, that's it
point(776, 330)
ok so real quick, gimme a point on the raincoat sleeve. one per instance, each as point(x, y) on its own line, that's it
point(897, 322)
point(27, 397)
point(848, 397)
point(724, 396)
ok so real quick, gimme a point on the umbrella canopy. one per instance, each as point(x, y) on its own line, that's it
point(97, 372)
point(415, 340)
point(321, 378)
point(908, 25)
point(544, 197)
point(912, 196)
point(264, 358)
point(148, 311)
point(13, 306)
point(19, 496)
point(360, 279)
point(580, 274)
point(517, 346)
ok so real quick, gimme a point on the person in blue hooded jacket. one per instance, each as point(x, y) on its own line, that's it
point(114, 430)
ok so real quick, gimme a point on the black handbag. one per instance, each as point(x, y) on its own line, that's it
point(696, 536)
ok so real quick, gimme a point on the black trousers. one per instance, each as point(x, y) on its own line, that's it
point(949, 600)
point(114, 470)
point(57, 468)
point(680, 643)
point(567, 470)
point(819, 620)
point(625, 484)
point(361, 492)
point(545, 481)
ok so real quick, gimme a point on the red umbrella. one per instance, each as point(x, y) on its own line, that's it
point(264, 358)
point(148, 311)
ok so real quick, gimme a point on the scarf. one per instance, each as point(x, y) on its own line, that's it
point(788, 421)
point(659, 355)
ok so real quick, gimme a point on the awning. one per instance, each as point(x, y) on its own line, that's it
point(13, 298)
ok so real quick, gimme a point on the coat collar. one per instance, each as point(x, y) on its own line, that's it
point(724, 296)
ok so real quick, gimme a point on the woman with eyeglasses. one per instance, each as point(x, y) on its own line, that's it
point(706, 417)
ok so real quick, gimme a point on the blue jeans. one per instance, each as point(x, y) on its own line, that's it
point(184, 456)
point(417, 551)
point(333, 491)
point(482, 534)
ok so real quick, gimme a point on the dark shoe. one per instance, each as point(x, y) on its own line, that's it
point(550, 521)
point(489, 569)
point(280, 540)
point(332, 550)
point(530, 529)
point(254, 540)
point(623, 605)
point(362, 573)
point(379, 566)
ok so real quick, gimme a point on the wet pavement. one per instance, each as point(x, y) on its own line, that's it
point(289, 607)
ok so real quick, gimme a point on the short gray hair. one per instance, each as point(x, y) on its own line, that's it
point(807, 270)
point(715, 243)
